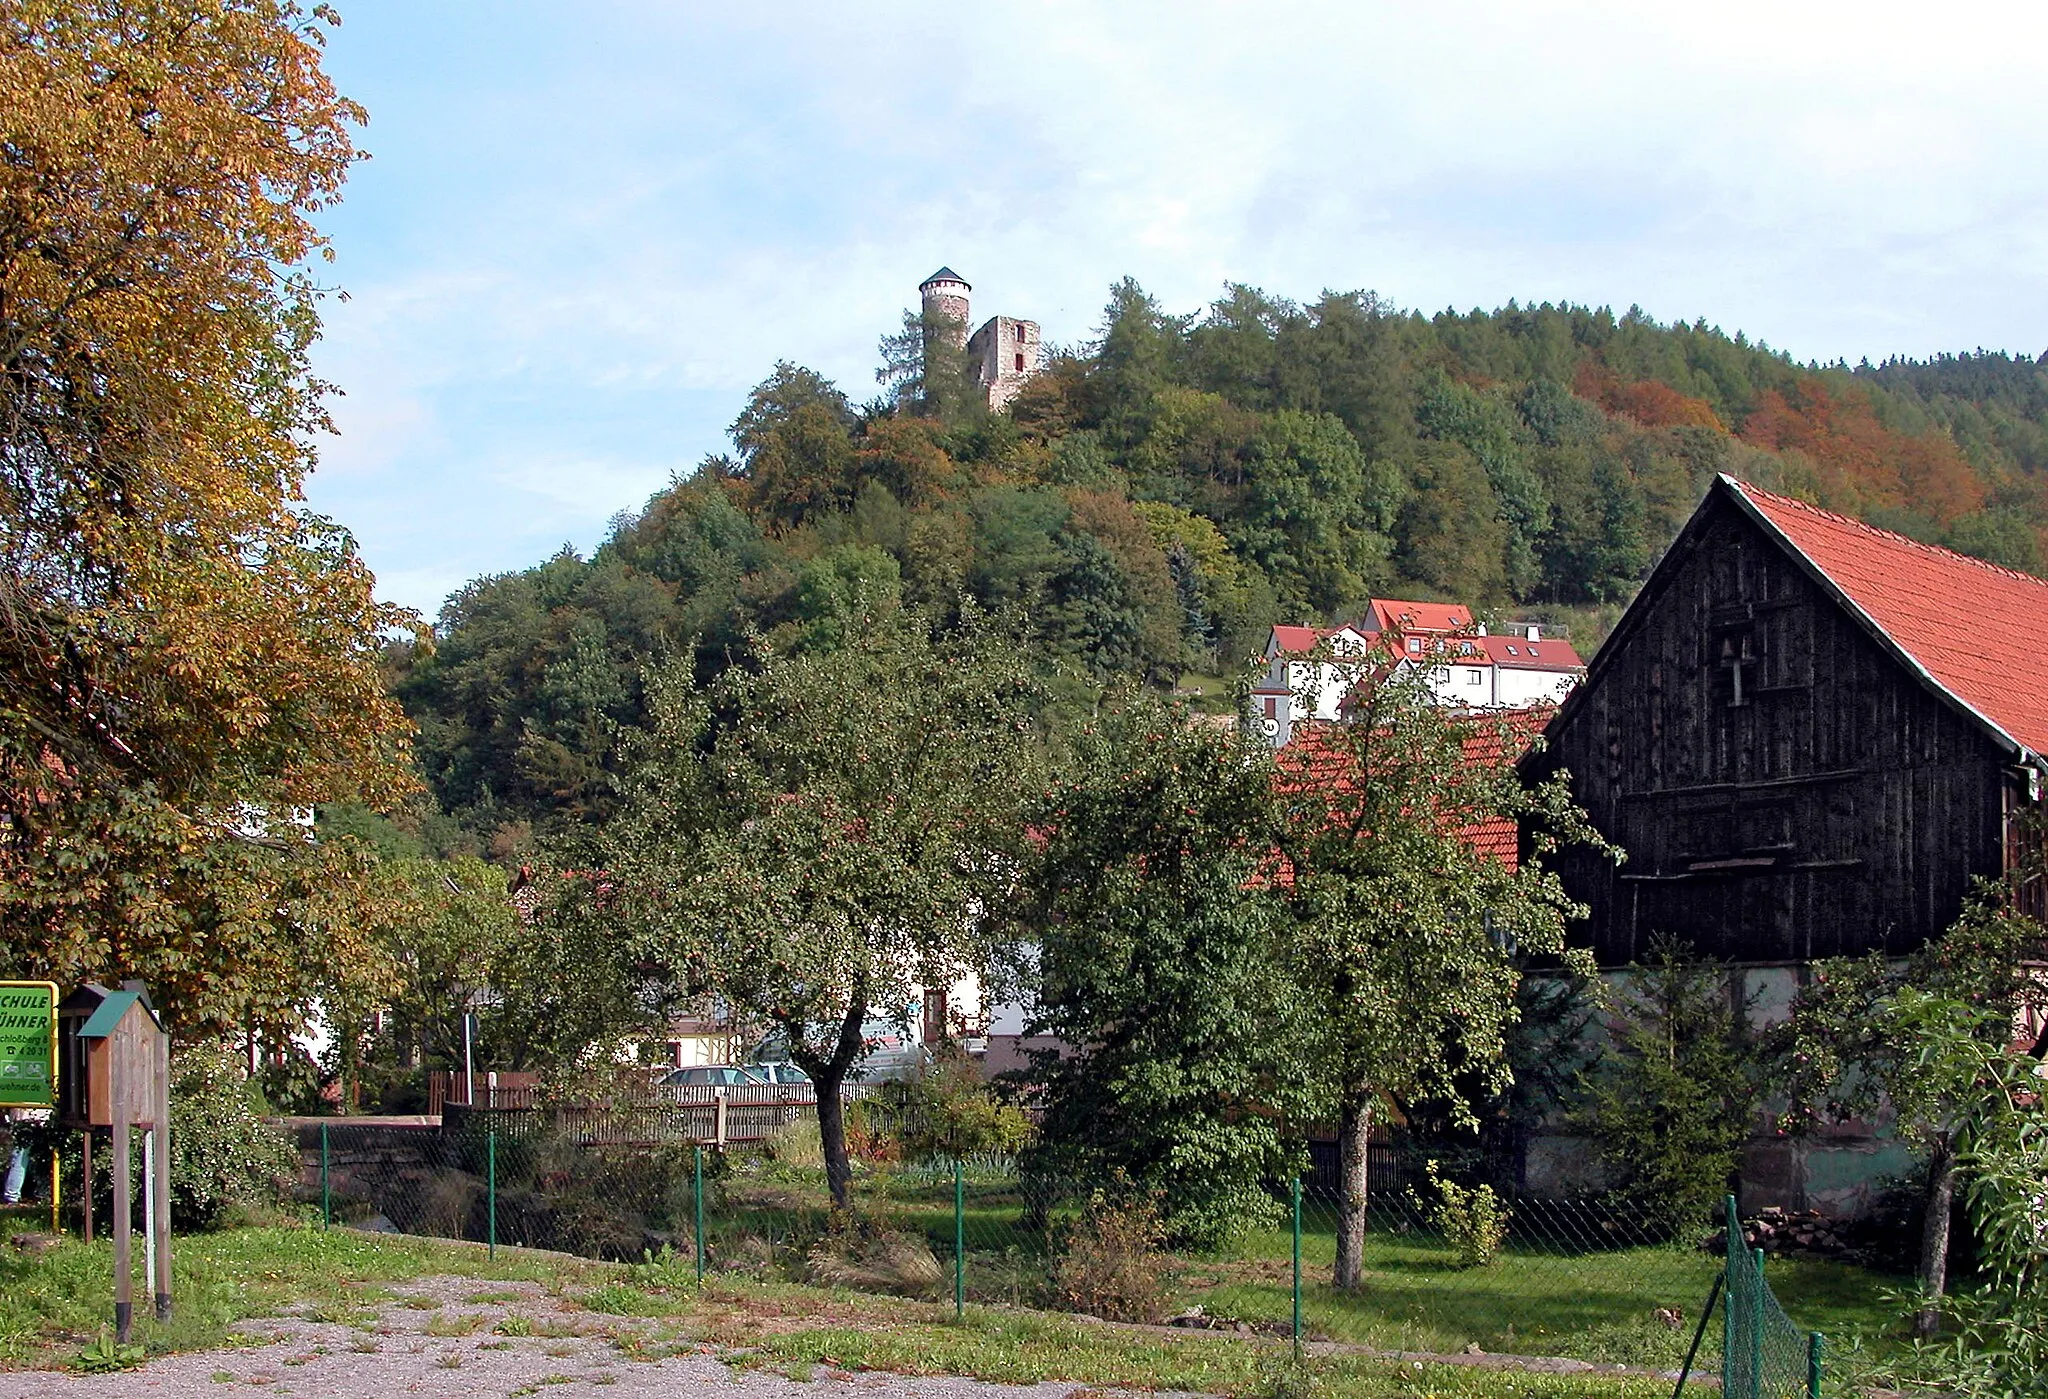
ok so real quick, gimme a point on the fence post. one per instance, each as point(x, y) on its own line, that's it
point(1736, 1257)
point(1297, 1268)
point(697, 1199)
point(491, 1159)
point(326, 1189)
point(1756, 1326)
point(959, 1240)
point(1814, 1348)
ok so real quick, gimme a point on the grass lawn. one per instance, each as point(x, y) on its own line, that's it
point(1593, 1305)
point(54, 1302)
point(1590, 1305)
point(51, 1303)
point(1025, 1348)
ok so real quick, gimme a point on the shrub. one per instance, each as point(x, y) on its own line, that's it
point(952, 1112)
point(1675, 1095)
point(1112, 1264)
point(225, 1159)
point(1473, 1219)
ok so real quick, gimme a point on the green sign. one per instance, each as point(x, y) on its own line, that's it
point(28, 1044)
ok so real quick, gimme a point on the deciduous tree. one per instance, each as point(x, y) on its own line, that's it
point(186, 656)
point(815, 837)
point(1162, 966)
point(1407, 902)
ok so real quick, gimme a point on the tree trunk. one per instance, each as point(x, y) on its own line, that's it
point(832, 1136)
point(1941, 1197)
point(1353, 1135)
point(826, 1077)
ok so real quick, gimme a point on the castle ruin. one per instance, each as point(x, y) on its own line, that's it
point(1001, 355)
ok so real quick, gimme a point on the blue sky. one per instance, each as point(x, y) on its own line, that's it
point(586, 230)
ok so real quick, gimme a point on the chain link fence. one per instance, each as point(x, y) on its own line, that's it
point(1441, 1271)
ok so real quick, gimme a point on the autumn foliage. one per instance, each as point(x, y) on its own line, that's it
point(1859, 462)
point(187, 659)
point(1648, 402)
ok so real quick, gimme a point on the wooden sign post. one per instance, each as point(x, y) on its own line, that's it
point(127, 1085)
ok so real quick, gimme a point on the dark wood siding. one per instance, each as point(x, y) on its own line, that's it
point(1784, 787)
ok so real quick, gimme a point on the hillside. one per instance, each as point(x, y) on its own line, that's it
point(1153, 500)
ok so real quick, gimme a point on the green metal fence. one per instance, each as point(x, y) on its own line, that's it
point(1586, 1278)
point(1763, 1354)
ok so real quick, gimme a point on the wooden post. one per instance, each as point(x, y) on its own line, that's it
point(148, 1204)
point(85, 1183)
point(160, 1279)
point(124, 1281)
point(719, 1129)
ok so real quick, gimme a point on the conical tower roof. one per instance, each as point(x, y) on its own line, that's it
point(945, 274)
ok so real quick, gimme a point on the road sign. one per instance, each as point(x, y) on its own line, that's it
point(28, 1044)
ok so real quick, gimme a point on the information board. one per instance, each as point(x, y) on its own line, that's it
point(28, 1044)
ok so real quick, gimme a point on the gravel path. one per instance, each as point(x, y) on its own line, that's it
point(444, 1338)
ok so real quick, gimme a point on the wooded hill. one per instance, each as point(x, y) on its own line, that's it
point(1156, 498)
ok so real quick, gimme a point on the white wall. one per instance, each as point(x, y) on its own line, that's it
point(1521, 688)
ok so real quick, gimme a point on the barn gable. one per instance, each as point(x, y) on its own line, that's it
point(1789, 778)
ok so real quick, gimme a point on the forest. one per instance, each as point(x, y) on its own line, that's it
point(1158, 496)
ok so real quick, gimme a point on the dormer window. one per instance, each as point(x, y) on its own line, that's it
point(1414, 645)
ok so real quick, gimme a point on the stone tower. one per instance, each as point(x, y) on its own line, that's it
point(946, 294)
point(1001, 355)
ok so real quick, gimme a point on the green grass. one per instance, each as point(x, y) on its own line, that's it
point(1208, 694)
point(1593, 1305)
point(1025, 1349)
point(53, 1304)
point(1590, 1304)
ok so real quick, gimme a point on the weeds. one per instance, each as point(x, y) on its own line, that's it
point(1113, 1265)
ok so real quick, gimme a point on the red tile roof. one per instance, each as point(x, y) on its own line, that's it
point(1942, 608)
point(1524, 654)
point(1500, 738)
point(1298, 640)
point(1397, 615)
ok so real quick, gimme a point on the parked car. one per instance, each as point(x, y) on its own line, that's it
point(712, 1076)
point(779, 1073)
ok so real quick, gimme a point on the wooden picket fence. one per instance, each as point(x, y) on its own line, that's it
point(704, 1115)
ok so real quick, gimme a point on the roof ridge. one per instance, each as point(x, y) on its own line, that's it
point(1893, 536)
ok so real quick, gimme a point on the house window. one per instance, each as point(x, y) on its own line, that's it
point(1736, 660)
point(1414, 645)
point(1020, 361)
point(1475, 677)
point(1272, 708)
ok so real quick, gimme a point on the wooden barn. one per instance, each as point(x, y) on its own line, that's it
point(1809, 736)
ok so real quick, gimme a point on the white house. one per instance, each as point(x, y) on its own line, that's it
point(1311, 670)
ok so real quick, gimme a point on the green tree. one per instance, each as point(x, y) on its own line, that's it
point(1846, 1050)
point(1403, 898)
point(2000, 1346)
point(814, 837)
point(1674, 1095)
point(1316, 511)
point(925, 370)
point(841, 584)
point(776, 400)
point(1162, 964)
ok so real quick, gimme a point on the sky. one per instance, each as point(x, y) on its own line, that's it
point(585, 231)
